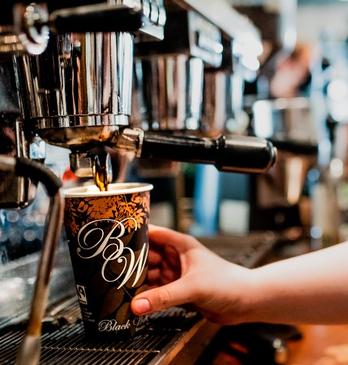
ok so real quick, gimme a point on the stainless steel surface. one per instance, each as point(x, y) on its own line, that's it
point(290, 120)
point(168, 93)
point(186, 348)
point(15, 191)
point(125, 144)
point(17, 285)
point(81, 164)
point(78, 92)
point(223, 109)
point(29, 352)
point(31, 345)
point(9, 41)
point(80, 137)
point(186, 33)
point(290, 124)
point(205, 38)
point(237, 119)
point(221, 13)
point(82, 80)
point(30, 23)
point(30, 26)
point(215, 102)
point(50, 241)
point(169, 82)
point(67, 344)
point(27, 34)
point(249, 251)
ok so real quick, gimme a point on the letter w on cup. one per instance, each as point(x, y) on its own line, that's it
point(111, 248)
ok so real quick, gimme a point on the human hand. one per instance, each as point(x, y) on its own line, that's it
point(182, 270)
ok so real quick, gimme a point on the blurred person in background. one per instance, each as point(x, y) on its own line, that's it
point(292, 73)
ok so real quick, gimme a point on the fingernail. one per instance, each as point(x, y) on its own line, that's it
point(142, 306)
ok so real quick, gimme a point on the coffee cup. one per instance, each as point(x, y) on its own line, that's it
point(107, 233)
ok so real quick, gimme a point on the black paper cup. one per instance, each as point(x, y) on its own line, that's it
point(108, 241)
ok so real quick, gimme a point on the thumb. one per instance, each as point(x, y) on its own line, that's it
point(175, 293)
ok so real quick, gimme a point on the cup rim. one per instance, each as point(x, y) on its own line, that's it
point(92, 191)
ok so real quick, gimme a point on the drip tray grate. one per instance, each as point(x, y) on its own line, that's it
point(66, 344)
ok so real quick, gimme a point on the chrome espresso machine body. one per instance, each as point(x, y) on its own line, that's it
point(66, 76)
point(77, 93)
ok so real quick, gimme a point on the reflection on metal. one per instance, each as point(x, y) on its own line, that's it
point(296, 171)
point(288, 120)
point(15, 191)
point(221, 13)
point(169, 93)
point(81, 80)
point(29, 33)
point(9, 42)
point(30, 23)
point(29, 352)
point(290, 125)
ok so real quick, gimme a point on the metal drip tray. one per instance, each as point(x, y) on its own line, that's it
point(248, 251)
point(69, 346)
point(64, 342)
point(17, 283)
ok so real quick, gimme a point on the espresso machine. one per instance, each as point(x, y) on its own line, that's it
point(66, 77)
point(186, 88)
point(81, 102)
point(279, 200)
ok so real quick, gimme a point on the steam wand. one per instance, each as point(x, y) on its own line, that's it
point(29, 352)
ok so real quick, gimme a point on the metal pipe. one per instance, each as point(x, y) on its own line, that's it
point(29, 352)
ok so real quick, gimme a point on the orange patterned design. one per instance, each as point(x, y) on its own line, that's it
point(119, 207)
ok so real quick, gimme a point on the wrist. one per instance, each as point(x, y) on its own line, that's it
point(251, 297)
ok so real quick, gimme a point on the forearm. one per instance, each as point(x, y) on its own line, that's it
point(312, 288)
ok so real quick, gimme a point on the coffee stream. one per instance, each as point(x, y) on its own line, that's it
point(102, 171)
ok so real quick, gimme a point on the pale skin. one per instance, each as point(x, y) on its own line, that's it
point(311, 288)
